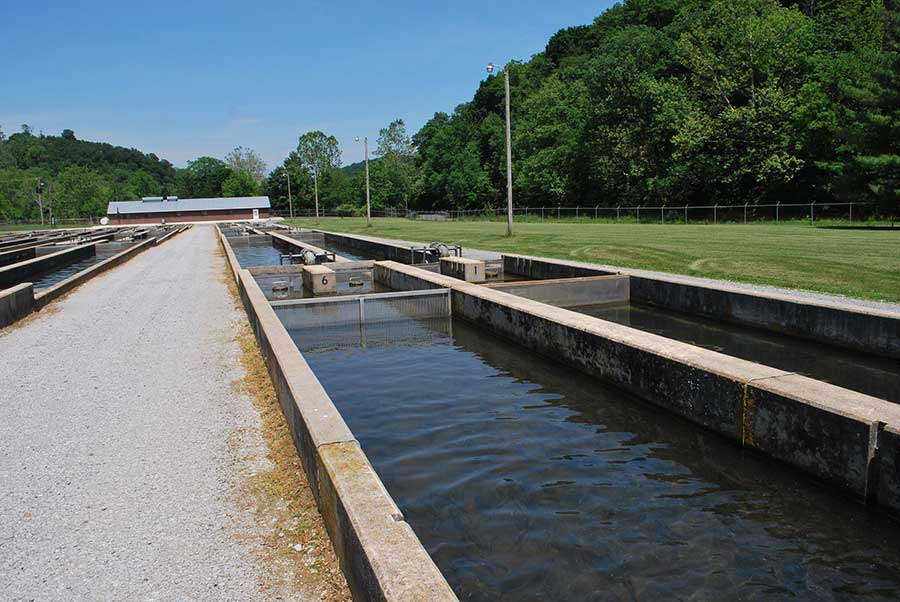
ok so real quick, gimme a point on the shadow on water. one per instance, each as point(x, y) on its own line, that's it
point(528, 481)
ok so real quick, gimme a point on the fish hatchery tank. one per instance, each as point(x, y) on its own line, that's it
point(526, 480)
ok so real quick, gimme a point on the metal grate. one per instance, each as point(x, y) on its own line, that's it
point(378, 319)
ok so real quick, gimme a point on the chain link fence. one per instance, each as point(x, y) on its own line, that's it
point(810, 213)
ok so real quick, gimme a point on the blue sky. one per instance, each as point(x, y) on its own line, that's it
point(185, 79)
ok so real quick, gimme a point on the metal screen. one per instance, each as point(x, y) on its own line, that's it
point(378, 319)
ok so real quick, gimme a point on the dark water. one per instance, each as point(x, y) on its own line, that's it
point(527, 481)
point(253, 251)
point(48, 279)
point(867, 374)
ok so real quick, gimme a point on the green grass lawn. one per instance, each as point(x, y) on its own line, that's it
point(857, 263)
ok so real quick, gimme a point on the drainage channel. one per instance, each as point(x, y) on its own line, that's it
point(526, 480)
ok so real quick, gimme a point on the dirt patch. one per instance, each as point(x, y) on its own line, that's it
point(294, 552)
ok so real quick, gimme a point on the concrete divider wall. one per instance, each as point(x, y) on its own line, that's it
point(371, 248)
point(11, 257)
point(570, 292)
point(25, 270)
point(292, 245)
point(379, 553)
point(16, 303)
point(828, 432)
point(834, 323)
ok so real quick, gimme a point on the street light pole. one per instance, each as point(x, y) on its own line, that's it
point(290, 200)
point(316, 186)
point(509, 179)
point(368, 200)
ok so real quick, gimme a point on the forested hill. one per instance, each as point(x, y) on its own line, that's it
point(686, 101)
point(79, 176)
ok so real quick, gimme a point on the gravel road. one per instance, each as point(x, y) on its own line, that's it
point(116, 406)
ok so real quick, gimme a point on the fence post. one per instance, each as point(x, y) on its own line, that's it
point(576, 212)
point(596, 206)
point(542, 213)
point(715, 214)
point(685, 214)
point(617, 211)
point(558, 208)
point(638, 214)
point(812, 212)
point(526, 214)
point(777, 207)
point(662, 216)
point(851, 212)
point(745, 213)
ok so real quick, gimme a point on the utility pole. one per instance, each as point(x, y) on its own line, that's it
point(509, 179)
point(50, 200)
point(368, 200)
point(290, 201)
point(316, 186)
point(40, 199)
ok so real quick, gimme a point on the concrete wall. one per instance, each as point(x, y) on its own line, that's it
point(64, 286)
point(25, 270)
point(292, 245)
point(16, 303)
point(372, 248)
point(570, 292)
point(11, 257)
point(379, 553)
point(834, 323)
point(825, 431)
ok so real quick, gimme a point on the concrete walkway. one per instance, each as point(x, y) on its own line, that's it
point(116, 406)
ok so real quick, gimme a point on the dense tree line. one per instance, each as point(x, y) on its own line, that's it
point(664, 102)
point(656, 102)
point(686, 101)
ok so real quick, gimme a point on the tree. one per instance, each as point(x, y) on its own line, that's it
point(203, 178)
point(239, 183)
point(394, 173)
point(246, 160)
point(318, 153)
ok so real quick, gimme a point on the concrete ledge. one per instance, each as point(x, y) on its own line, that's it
point(25, 270)
point(11, 257)
point(64, 286)
point(16, 303)
point(371, 248)
point(462, 268)
point(888, 494)
point(292, 245)
point(834, 323)
point(826, 431)
point(379, 553)
point(570, 292)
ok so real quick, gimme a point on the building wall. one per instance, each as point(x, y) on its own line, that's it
point(184, 216)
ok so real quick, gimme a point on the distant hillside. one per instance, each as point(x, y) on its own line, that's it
point(78, 178)
point(24, 150)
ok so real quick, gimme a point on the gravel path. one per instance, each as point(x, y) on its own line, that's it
point(116, 408)
point(810, 296)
